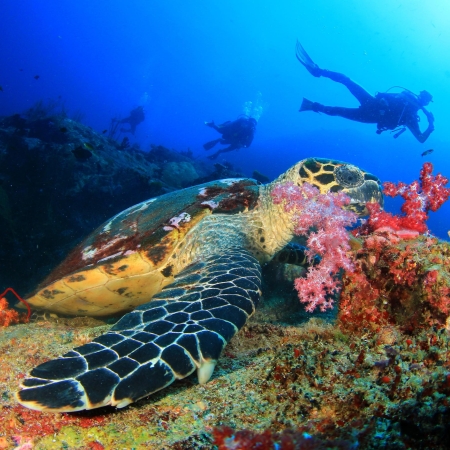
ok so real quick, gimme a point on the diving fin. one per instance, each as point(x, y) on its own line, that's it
point(308, 105)
point(304, 59)
point(209, 145)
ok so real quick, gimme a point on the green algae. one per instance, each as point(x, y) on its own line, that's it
point(109, 437)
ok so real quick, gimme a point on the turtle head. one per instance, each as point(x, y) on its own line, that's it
point(329, 175)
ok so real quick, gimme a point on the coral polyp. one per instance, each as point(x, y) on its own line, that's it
point(402, 282)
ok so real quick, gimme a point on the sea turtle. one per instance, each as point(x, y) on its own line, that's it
point(192, 260)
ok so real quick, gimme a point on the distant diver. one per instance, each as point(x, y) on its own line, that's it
point(236, 134)
point(135, 118)
point(388, 110)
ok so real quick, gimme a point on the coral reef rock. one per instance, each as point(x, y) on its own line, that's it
point(59, 180)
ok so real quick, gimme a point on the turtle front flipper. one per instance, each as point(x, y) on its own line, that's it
point(185, 327)
point(295, 254)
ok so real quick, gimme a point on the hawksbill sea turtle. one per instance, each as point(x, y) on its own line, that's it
point(188, 266)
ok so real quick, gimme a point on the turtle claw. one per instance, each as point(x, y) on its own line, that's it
point(205, 371)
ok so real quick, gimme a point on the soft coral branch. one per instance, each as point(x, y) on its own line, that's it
point(429, 193)
point(323, 219)
point(11, 316)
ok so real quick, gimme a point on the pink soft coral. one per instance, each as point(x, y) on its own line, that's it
point(323, 219)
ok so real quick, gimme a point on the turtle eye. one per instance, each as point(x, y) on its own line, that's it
point(348, 176)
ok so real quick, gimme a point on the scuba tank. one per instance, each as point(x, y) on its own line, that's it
point(398, 129)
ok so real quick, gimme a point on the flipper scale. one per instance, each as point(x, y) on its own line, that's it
point(161, 341)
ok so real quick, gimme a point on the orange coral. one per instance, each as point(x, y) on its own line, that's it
point(7, 316)
point(10, 316)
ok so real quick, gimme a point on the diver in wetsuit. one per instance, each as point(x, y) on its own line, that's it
point(388, 110)
point(135, 118)
point(236, 134)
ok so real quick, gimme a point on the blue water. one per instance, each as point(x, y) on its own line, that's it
point(192, 61)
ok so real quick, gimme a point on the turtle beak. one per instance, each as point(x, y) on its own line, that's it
point(369, 193)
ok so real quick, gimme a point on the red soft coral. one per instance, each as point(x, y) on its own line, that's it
point(429, 193)
point(323, 219)
point(10, 316)
point(7, 316)
point(406, 283)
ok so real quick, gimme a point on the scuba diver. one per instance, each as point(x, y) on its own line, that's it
point(388, 110)
point(236, 134)
point(136, 117)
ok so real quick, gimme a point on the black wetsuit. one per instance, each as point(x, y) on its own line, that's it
point(136, 117)
point(388, 111)
point(236, 134)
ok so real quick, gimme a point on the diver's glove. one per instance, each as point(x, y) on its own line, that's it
point(429, 115)
point(430, 118)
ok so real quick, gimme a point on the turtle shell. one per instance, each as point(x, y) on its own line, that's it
point(130, 257)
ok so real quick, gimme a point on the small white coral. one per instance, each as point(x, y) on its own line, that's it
point(210, 204)
point(177, 221)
